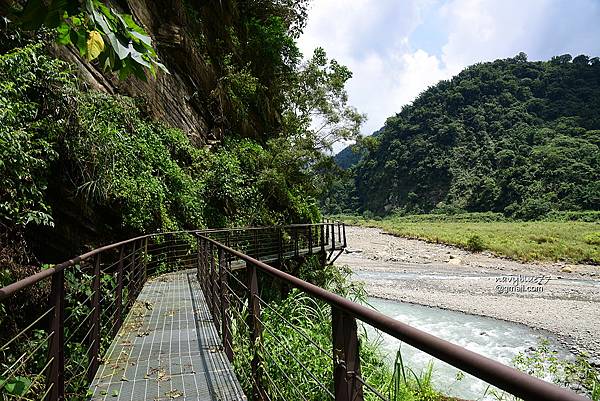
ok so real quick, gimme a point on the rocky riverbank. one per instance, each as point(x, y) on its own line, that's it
point(562, 299)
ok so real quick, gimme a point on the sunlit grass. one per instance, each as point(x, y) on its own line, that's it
point(570, 241)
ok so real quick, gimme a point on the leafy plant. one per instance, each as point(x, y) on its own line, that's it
point(15, 386)
point(592, 238)
point(97, 31)
point(475, 243)
point(577, 374)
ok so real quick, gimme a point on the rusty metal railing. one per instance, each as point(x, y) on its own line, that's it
point(57, 324)
point(229, 293)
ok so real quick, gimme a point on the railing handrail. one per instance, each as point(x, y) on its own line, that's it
point(504, 377)
point(12, 288)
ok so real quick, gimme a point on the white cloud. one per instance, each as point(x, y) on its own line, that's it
point(376, 39)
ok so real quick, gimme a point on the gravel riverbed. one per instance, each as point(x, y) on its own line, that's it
point(556, 297)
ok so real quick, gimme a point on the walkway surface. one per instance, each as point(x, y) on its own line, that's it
point(167, 349)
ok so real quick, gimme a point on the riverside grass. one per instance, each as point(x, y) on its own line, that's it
point(285, 349)
point(568, 241)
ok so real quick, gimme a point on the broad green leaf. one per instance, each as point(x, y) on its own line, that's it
point(130, 23)
point(125, 69)
point(137, 57)
point(138, 71)
point(109, 13)
point(98, 18)
point(80, 40)
point(144, 38)
point(17, 385)
point(95, 45)
point(121, 51)
point(64, 34)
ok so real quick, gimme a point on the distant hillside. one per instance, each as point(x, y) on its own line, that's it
point(512, 136)
point(347, 158)
point(351, 155)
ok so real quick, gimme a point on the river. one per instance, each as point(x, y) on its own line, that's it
point(496, 339)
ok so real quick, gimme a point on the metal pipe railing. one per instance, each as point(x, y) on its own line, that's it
point(212, 253)
point(345, 311)
point(104, 283)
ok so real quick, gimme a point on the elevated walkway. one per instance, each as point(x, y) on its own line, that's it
point(167, 349)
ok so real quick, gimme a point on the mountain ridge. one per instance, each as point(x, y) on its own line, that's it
point(509, 136)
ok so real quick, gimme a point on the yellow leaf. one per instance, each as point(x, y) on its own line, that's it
point(95, 45)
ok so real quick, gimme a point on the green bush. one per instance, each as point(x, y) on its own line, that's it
point(26, 133)
point(477, 217)
point(590, 216)
point(475, 243)
point(592, 239)
point(103, 149)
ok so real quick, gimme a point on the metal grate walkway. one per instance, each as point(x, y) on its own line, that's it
point(167, 349)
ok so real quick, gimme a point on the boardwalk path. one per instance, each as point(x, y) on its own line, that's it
point(167, 349)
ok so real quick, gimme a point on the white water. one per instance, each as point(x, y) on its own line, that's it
point(496, 339)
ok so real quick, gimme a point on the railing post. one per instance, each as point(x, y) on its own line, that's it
point(327, 232)
point(310, 239)
point(211, 279)
point(205, 272)
point(119, 300)
point(344, 233)
point(56, 377)
point(280, 246)
point(225, 321)
point(332, 237)
point(214, 290)
point(255, 326)
point(339, 232)
point(198, 274)
point(132, 285)
point(95, 348)
point(323, 254)
point(218, 291)
point(296, 241)
point(145, 265)
point(346, 357)
point(201, 273)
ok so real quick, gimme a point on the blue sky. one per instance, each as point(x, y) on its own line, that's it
point(398, 48)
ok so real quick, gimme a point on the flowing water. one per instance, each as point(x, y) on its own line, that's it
point(496, 339)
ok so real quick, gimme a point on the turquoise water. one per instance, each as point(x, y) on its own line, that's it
point(496, 339)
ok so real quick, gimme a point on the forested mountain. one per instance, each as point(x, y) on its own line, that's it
point(348, 157)
point(511, 135)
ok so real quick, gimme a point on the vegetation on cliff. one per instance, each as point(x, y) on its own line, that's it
point(83, 166)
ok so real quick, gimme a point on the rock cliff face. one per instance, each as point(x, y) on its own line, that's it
point(198, 42)
point(191, 39)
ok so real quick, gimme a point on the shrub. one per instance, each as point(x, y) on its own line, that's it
point(368, 215)
point(592, 238)
point(475, 243)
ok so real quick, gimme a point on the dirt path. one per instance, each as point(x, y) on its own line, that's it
point(562, 299)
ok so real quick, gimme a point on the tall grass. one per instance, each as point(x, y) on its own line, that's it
point(410, 386)
point(297, 356)
point(569, 241)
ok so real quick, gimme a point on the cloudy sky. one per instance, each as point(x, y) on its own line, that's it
point(397, 48)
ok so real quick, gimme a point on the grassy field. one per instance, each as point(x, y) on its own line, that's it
point(570, 241)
